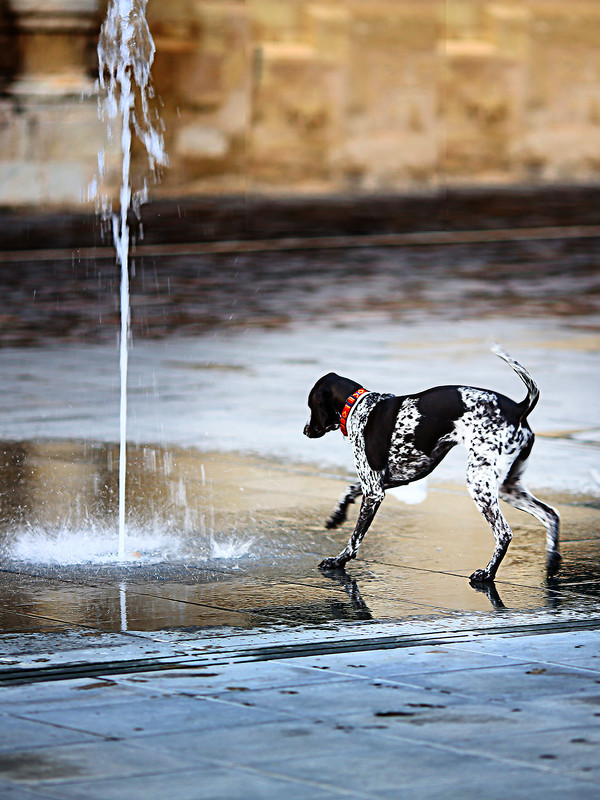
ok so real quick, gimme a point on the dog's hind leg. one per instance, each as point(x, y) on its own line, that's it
point(513, 492)
point(482, 484)
point(340, 511)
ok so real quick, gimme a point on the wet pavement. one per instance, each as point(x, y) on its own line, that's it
point(216, 657)
point(362, 711)
point(230, 540)
point(75, 299)
point(213, 265)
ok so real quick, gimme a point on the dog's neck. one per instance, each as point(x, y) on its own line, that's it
point(340, 390)
point(350, 403)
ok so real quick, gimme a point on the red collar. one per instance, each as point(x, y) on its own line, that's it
point(346, 410)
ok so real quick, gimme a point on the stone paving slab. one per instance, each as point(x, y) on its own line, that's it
point(153, 713)
point(497, 711)
point(390, 769)
point(582, 651)
point(30, 699)
point(209, 782)
point(13, 729)
point(12, 792)
point(415, 661)
point(48, 766)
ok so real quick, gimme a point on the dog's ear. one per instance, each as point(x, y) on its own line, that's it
point(323, 415)
point(325, 412)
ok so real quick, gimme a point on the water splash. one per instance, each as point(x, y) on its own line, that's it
point(93, 543)
point(230, 548)
point(125, 56)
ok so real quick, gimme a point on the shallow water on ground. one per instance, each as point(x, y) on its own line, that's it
point(226, 498)
point(230, 540)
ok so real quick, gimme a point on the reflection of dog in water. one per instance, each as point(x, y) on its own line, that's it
point(362, 610)
point(400, 439)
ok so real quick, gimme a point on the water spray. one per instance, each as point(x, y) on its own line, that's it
point(125, 56)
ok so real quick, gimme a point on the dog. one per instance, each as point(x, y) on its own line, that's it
point(400, 439)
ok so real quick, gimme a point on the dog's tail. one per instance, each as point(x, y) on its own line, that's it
point(527, 405)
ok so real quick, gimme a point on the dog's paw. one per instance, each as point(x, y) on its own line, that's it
point(553, 564)
point(332, 564)
point(481, 576)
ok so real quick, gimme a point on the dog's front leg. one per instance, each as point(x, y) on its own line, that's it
point(368, 509)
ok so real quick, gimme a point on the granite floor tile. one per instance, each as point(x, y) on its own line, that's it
point(98, 759)
point(510, 683)
point(272, 742)
point(212, 680)
point(13, 792)
point(571, 750)
point(408, 660)
point(494, 781)
point(32, 734)
point(212, 782)
point(154, 713)
point(336, 701)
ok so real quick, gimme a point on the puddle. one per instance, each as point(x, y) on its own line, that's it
point(58, 504)
point(231, 540)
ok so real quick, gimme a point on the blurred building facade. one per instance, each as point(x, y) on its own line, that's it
point(332, 96)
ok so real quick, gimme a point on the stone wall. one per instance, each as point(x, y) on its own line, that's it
point(333, 96)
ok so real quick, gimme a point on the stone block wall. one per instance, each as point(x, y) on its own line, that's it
point(335, 96)
point(521, 91)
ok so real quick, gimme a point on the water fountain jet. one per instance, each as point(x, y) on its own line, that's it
point(125, 55)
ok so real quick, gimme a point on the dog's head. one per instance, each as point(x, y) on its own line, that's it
point(326, 401)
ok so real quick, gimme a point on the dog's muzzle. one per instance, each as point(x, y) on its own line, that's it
point(316, 433)
point(313, 433)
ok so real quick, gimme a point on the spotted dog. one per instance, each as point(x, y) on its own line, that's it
point(400, 439)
